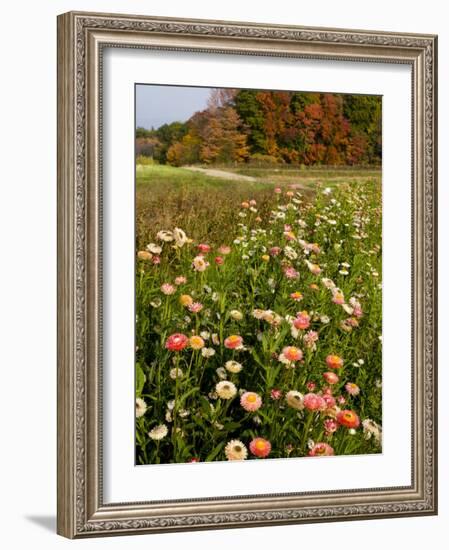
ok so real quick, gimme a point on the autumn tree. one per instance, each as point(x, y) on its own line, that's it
point(274, 126)
point(215, 135)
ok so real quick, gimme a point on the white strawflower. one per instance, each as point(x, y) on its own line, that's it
point(226, 389)
point(236, 315)
point(271, 283)
point(349, 310)
point(141, 407)
point(236, 450)
point(295, 400)
point(258, 313)
point(176, 373)
point(154, 248)
point(290, 253)
point(233, 366)
point(221, 372)
point(207, 352)
point(180, 237)
point(372, 429)
point(166, 236)
point(158, 432)
point(328, 283)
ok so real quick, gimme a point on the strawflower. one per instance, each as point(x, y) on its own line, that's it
point(260, 447)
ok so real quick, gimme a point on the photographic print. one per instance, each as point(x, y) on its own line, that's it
point(246, 274)
point(258, 274)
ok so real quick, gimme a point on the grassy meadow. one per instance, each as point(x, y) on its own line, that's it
point(258, 313)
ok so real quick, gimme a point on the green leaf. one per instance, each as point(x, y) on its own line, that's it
point(184, 397)
point(205, 406)
point(140, 380)
point(231, 426)
point(215, 452)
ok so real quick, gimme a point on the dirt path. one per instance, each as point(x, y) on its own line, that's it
point(220, 173)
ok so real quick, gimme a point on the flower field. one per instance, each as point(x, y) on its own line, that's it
point(261, 337)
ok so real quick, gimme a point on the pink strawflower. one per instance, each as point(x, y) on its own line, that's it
point(331, 377)
point(329, 400)
point(321, 449)
point(224, 249)
point(358, 312)
point(168, 289)
point(341, 400)
point(313, 268)
point(181, 280)
point(311, 386)
point(275, 394)
point(314, 402)
point(334, 361)
point(250, 401)
point(302, 320)
point(310, 338)
point(277, 190)
point(233, 342)
point(292, 353)
point(196, 307)
point(338, 297)
point(219, 260)
point(313, 247)
point(176, 342)
point(357, 308)
point(352, 388)
point(200, 264)
point(297, 296)
point(203, 248)
point(260, 447)
point(156, 260)
point(275, 251)
point(330, 426)
point(291, 273)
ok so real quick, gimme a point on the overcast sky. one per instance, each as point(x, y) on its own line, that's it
point(157, 105)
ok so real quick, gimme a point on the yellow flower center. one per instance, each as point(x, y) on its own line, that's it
point(260, 445)
point(252, 398)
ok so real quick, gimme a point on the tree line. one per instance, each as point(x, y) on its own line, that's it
point(273, 127)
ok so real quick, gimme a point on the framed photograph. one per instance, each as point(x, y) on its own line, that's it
point(246, 274)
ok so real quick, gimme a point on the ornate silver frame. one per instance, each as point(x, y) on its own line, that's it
point(81, 39)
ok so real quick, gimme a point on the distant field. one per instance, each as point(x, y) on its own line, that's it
point(309, 175)
point(207, 207)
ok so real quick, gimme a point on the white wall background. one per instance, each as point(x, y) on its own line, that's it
point(28, 268)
